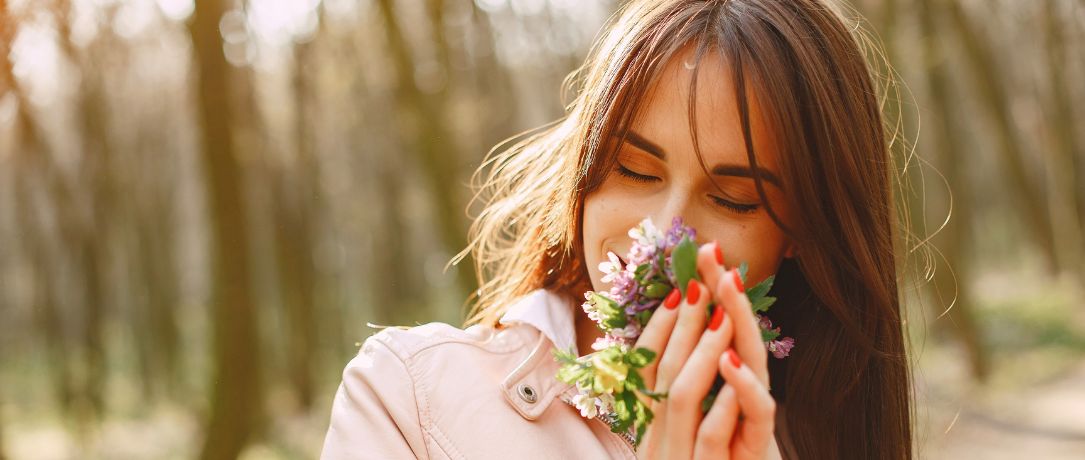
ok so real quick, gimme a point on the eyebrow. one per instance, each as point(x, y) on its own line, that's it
point(735, 170)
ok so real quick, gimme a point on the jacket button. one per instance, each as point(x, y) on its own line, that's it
point(527, 393)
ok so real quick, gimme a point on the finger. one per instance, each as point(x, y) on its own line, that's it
point(727, 288)
point(710, 264)
point(657, 332)
point(692, 314)
point(718, 427)
point(695, 379)
point(755, 403)
point(747, 333)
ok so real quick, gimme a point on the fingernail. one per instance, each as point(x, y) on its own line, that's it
point(717, 318)
point(738, 281)
point(719, 253)
point(693, 292)
point(672, 299)
point(733, 358)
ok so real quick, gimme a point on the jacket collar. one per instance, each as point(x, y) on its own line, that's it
point(532, 385)
point(548, 312)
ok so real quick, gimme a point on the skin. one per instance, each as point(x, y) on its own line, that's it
point(689, 355)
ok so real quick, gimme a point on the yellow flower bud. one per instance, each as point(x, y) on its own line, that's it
point(609, 375)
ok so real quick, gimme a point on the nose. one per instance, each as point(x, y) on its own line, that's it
point(677, 204)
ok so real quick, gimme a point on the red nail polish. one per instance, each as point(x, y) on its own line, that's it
point(733, 357)
point(717, 318)
point(693, 292)
point(719, 254)
point(672, 299)
point(738, 281)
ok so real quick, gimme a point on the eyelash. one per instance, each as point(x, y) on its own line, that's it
point(739, 208)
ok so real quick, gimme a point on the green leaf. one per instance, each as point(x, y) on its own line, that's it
point(763, 304)
point(640, 357)
point(761, 289)
point(644, 417)
point(706, 403)
point(572, 373)
point(717, 384)
point(684, 263)
point(742, 269)
point(644, 316)
point(657, 290)
point(652, 394)
point(768, 334)
point(565, 357)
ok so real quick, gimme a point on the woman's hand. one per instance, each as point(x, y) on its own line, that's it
point(692, 349)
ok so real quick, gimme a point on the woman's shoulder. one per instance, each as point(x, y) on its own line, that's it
point(539, 311)
point(425, 341)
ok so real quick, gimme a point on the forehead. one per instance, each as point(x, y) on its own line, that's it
point(664, 116)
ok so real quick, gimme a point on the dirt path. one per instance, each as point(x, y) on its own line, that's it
point(1045, 422)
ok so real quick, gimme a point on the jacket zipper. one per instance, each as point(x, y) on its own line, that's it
point(608, 419)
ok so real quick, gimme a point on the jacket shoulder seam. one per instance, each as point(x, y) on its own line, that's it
point(409, 352)
point(421, 410)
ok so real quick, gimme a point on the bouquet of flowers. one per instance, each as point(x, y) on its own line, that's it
point(608, 378)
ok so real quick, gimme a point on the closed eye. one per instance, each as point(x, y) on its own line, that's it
point(739, 208)
point(634, 176)
point(736, 207)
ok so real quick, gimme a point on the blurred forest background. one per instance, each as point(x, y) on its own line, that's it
point(203, 203)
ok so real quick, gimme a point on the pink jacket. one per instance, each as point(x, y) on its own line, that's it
point(435, 391)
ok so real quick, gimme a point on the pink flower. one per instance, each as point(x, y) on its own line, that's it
point(781, 348)
point(764, 322)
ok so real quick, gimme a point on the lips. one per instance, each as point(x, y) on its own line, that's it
point(624, 263)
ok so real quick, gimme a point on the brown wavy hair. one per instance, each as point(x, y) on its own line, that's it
point(846, 390)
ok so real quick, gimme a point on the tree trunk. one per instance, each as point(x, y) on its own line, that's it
point(236, 404)
point(296, 197)
point(955, 277)
point(1028, 198)
point(89, 232)
point(29, 164)
point(426, 130)
point(1068, 200)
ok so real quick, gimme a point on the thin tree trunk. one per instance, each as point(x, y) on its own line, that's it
point(296, 198)
point(1068, 201)
point(89, 231)
point(438, 154)
point(1028, 197)
point(31, 150)
point(954, 245)
point(386, 253)
point(236, 404)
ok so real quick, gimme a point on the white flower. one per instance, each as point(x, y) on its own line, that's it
point(610, 268)
point(587, 405)
point(608, 341)
point(646, 233)
point(630, 331)
point(605, 403)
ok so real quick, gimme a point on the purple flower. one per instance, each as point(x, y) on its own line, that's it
point(624, 288)
point(677, 231)
point(781, 348)
point(764, 322)
point(640, 305)
point(641, 253)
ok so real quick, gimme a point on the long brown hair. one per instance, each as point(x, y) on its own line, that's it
point(846, 390)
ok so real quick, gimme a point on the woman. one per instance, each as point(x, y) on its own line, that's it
point(756, 121)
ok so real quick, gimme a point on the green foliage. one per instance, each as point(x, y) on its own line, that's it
point(684, 263)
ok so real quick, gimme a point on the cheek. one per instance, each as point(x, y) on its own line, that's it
point(761, 247)
point(608, 216)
